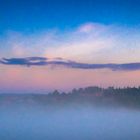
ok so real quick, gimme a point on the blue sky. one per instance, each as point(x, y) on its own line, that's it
point(60, 28)
point(35, 15)
point(68, 43)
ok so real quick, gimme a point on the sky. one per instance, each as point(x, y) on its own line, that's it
point(64, 44)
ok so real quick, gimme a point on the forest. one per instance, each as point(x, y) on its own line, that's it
point(128, 97)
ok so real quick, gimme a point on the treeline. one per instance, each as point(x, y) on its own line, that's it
point(98, 91)
point(127, 97)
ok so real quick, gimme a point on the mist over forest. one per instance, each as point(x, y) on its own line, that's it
point(128, 97)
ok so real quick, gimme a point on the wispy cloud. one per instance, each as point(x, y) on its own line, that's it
point(42, 61)
point(88, 43)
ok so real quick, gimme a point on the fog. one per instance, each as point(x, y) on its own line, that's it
point(70, 122)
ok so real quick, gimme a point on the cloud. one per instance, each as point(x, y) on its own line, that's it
point(42, 61)
point(86, 28)
point(87, 43)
